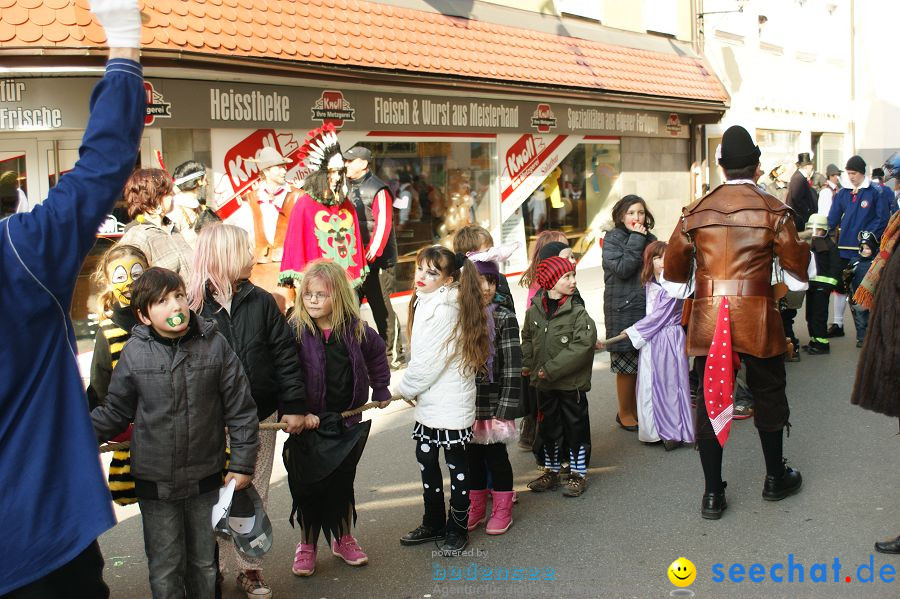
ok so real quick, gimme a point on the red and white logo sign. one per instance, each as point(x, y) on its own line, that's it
point(522, 158)
point(157, 107)
point(543, 118)
point(242, 173)
point(673, 124)
point(527, 162)
point(331, 107)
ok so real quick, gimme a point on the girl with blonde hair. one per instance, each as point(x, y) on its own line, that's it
point(449, 345)
point(342, 358)
point(250, 320)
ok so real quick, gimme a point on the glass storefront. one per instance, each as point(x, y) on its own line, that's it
point(446, 185)
point(13, 182)
point(572, 197)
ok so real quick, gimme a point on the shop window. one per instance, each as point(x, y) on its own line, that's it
point(450, 185)
point(13, 183)
point(59, 162)
point(181, 145)
point(570, 199)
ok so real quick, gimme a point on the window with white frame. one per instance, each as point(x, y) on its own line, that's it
point(588, 9)
point(661, 16)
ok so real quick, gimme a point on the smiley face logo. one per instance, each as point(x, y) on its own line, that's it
point(682, 572)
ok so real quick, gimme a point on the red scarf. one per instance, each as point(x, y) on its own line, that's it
point(718, 388)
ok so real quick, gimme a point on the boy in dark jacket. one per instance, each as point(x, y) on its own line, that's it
point(557, 353)
point(853, 277)
point(828, 273)
point(181, 384)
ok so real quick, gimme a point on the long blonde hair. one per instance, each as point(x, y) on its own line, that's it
point(345, 317)
point(107, 299)
point(470, 334)
point(222, 253)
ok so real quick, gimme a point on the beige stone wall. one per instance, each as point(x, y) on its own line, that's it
point(658, 170)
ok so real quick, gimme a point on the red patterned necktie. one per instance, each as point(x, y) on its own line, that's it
point(718, 380)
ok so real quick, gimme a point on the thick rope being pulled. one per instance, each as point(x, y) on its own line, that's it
point(263, 426)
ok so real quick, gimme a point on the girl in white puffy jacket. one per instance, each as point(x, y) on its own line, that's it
point(449, 345)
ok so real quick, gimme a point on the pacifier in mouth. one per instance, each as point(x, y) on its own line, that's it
point(177, 320)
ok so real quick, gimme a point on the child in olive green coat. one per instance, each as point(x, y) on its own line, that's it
point(557, 354)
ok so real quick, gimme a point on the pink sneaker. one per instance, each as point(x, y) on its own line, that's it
point(304, 560)
point(348, 550)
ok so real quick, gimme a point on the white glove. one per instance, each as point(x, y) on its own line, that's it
point(121, 21)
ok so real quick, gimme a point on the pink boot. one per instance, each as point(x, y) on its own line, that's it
point(477, 508)
point(501, 515)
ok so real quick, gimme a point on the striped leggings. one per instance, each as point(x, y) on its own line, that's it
point(564, 422)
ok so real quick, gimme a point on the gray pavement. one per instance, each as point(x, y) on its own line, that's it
point(640, 512)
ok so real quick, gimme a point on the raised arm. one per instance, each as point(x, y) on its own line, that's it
point(53, 239)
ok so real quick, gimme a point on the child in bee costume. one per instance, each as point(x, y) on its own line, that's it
point(119, 268)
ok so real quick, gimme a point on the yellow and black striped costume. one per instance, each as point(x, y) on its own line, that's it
point(121, 483)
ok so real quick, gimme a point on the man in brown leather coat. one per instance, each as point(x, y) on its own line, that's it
point(734, 234)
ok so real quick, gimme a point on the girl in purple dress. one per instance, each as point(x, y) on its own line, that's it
point(663, 393)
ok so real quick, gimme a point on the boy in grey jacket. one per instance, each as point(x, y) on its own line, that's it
point(181, 384)
point(558, 353)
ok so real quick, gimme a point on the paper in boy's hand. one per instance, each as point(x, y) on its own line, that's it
point(220, 509)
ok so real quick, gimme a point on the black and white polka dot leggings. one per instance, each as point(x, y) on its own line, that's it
point(433, 484)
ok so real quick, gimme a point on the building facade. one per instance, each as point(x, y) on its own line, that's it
point(512, 118)
point(787, 66)
point(876, 90)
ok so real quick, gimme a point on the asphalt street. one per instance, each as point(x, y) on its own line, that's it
point(639, 513)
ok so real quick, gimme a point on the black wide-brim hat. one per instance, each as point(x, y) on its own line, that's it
point(738, 149)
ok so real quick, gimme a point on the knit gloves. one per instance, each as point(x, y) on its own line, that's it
point(121, 20)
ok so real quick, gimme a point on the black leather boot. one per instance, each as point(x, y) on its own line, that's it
point(432, 528)
point(714, 504)
point(892, 546)
point(422, 534)
point(779, 487)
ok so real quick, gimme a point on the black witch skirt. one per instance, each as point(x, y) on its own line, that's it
point(321, 467)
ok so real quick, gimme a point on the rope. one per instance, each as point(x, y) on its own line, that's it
point(263, 426)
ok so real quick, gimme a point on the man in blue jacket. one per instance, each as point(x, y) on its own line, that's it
point(860, 207)
point(54, 502)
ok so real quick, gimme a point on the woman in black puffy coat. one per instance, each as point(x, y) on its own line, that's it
point(623, 295)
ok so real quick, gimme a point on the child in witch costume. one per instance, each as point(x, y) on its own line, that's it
point(323, 223)
point(342, 357)
point(449, 344)
point(497, 400)
point(119, 268)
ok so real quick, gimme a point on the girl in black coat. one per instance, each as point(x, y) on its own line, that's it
point(623, 295)
point(248, 317)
